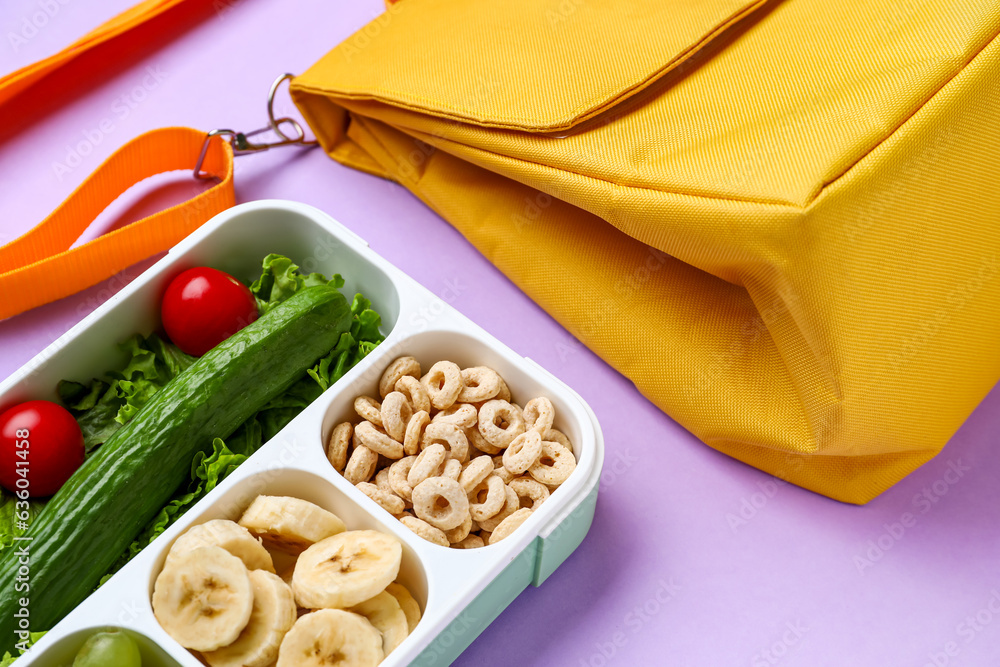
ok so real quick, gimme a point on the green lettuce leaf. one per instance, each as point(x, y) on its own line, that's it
point(95, 407)
point(9, 659)
point(105, 405)
point(281, 279)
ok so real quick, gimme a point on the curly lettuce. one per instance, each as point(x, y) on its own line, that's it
point(104, 406)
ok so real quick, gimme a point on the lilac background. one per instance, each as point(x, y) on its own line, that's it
point(668, 575)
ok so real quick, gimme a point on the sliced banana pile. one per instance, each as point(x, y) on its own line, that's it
point(448, 454)
point(338, 603)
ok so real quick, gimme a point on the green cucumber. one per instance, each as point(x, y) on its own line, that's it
point(95, 516)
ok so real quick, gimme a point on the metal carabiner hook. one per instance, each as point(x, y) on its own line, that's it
point(241, 141)
point(275, 124)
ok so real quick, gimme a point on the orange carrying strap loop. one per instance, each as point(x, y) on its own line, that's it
point(42, 266)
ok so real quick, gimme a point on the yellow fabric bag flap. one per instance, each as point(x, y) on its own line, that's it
point(780, 220)
point(458, 74)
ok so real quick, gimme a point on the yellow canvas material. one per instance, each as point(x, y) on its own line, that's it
point(781, 220)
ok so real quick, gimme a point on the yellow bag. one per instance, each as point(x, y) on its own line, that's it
point(779, 219)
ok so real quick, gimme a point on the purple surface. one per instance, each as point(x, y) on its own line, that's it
point(694, 559)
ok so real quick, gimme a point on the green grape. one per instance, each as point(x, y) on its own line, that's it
point(112, 648)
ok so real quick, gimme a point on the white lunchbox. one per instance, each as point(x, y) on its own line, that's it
point(460, 591)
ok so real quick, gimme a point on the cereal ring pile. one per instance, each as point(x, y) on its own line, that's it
point(448, 454)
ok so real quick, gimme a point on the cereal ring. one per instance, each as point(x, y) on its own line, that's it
point(475, 472)
point(361, 465)
point(443, 383)
point(523, 452)
point(504, 393)
point(427, 464)
point(462, 415)
point(395, 414)
point(554, 466)
point(390, 503)
point(441, 502)
point(452, 469)
point(397, 477)
point(500, 423)
point(502, 472)
point(484, 535)
point(377, 441)
point(450, 436)
point(461, 531)
point(336, 448)
point(471, 542)
point(555, 435)
point(425, 530)
point(415, 393)
point(477, 441)
point(539, 414)
point(481, 384)
point(415, 432)
point(533, 491)
point(511, 504)
point(487, 498)
point(401, 367)
point(509, 525)
point(368, 408)
point(382, 480)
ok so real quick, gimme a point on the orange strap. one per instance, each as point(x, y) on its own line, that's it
point(16, 82)
point(41, 266)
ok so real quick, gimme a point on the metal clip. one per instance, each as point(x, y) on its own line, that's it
point(241, 141)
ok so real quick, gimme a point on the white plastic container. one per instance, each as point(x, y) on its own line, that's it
point(460, 591)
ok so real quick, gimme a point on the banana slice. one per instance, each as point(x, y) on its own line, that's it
point(229, 535)
point(273, 615)
point(331, 637)
point(203, 598)
point(410, 607)
point(288, 524)
point(346, 569)
point(384, 612)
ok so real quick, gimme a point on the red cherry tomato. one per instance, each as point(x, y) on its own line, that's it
point(41, 446)
point(203, 307)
